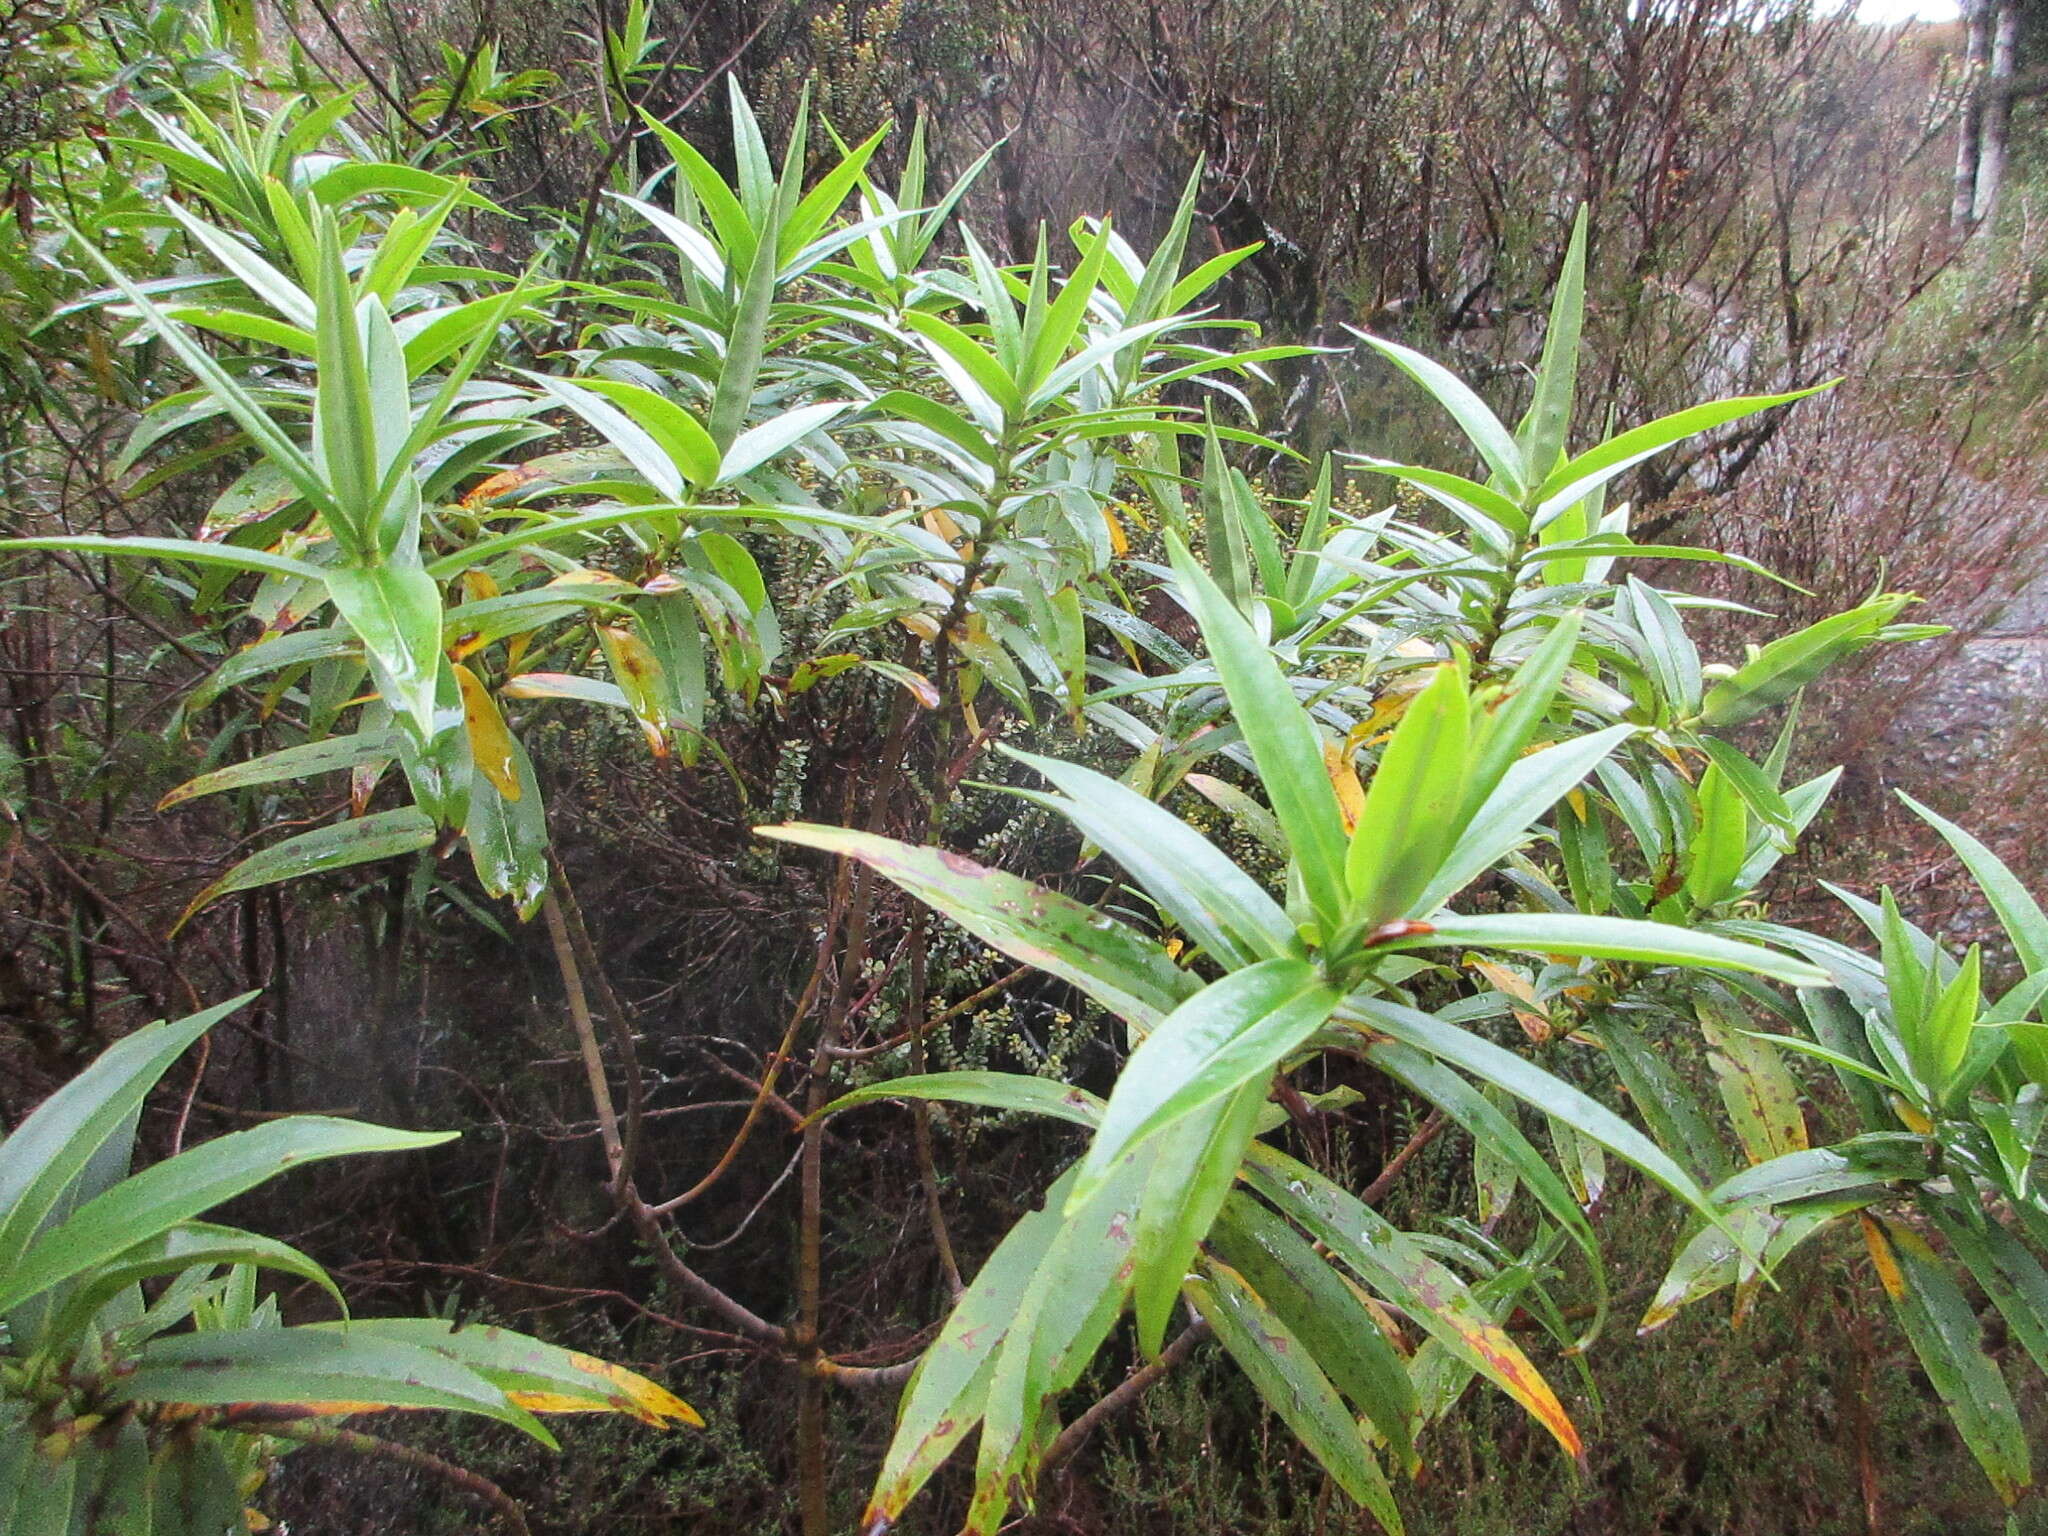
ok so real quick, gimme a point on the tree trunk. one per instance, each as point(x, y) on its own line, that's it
point(1970, 130)
point(1996, 125)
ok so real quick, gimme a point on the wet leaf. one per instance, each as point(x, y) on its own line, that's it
point(491, 746)
point(638, 675)
point(1761, 1097)
point(1294, 1387)
point(360, 840)
point(1389, 1262)
point(1120, 968)
point(1942, 1327)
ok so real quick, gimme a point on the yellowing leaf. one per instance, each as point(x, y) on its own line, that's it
point(1760, 1094)
point(1531, 1016)
point(1119, 542)
point(638, 675)
point(490, 742)
point(1344, 779)
point(1882, 1259)
point(628, 1393)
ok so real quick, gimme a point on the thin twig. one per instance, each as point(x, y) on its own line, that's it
point(586, 1035)
point(763, 1093)
point(375, 81)
point(588, 218)
point(1127, 1392)
point(1425, 1133)
point(310, 1432)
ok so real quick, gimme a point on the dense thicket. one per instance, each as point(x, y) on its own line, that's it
point(1012, 447)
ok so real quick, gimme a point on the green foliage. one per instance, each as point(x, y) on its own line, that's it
point(773, 451)
point(134, 1411)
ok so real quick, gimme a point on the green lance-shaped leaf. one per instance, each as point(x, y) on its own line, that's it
point(1501, 735)
point(1496, 445)
point(989, 1090)
point(1951, 1021)
point(310, 1367)
point(277, 446)
point(1673, 661)
point(189, 1185)
point(1526, 791)
point(232, 556)
point(1496, 1135)
point(1063, 318)
point(1758, 788)
point(1232, 1032)
point(1720, 842)
point(1710, 1260)
point(1572, 482)
point(746, 344)
point(945, 1398)
point(1324, 1311)
point(1761, 1097)
point(198, 1491)
point(759, 444)
point(1120, 968)
point(1491, 516)
point(1214, 902)
point(975, 376)
point(1192, 1172)
point(1491, 1063)
point(1411, 814)
point(1282, 739)
point(1612, 938)
point(1073, 1302)
point(396, 611)
point(290, 764)
point(666, 444)
point(1294, 1387)
point(119, 1486)
point(2018, 912)
point(192, 1245)
point(49, 1150)
point(1544, 433)
point(1859, 1164)
point(1781, 668)
point(361, 840)
point(1942, 1327)
point(2011, 1276)
point(345, 415)
point(274, 655)
point(1394, 1265)
point(1667, 1104)
point(37, 1498)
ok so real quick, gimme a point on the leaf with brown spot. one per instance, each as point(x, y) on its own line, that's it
point(261, 492)
point(1434, 1299)
point(638, 674)
point(537, 1376)
point(1128, 973)
point(1293, 1386)
point(1942, 1325)
point(490, 742)
point(946, 1397)
point(1344, 779)
point(549, 471)
point(1760, 1094)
